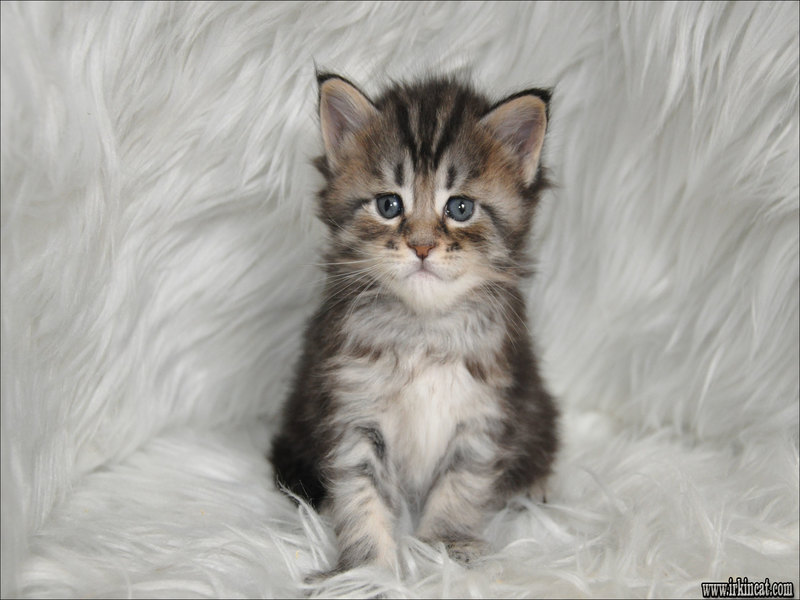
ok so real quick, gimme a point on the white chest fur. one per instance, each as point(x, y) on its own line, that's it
point(418, 403)
point(417, 388)
point(420, 420)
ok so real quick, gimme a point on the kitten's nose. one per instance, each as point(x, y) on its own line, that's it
point(422, 250)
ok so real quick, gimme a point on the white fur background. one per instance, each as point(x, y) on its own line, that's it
point(158, 250)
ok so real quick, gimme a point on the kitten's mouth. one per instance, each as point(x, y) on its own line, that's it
point(424, 272)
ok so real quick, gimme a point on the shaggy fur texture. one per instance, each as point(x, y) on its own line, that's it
point(158, 250)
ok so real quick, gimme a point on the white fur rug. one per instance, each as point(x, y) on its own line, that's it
point(158, 250)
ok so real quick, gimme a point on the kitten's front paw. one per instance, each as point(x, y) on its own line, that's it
point(319, 578)
point(351, 558)
point(467, 552)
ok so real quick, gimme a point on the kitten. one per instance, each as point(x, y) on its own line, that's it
point(418, 386)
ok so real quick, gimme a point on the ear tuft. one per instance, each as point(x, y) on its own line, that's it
point(323, 76)
point(519, 122)
point(343, 111)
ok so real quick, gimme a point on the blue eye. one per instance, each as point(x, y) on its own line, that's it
point(459, 208)
point(389, 205)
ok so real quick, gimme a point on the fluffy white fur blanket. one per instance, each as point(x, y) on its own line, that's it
point(158, 250)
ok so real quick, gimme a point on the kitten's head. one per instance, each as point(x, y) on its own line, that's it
point(430, 189)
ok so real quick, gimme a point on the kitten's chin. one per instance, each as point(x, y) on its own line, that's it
point(426, 292)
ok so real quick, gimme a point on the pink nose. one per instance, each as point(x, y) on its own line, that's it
point(422, 251)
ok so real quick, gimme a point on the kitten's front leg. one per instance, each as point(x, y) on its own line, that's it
point(456, 506)
point(363, 500)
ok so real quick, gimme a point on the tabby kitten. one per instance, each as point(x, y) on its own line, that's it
point(418, 388)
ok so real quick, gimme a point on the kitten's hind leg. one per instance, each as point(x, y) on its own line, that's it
point(295, 472)
point(537, 491)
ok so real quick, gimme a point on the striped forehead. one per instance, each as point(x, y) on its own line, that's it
point(428, 121)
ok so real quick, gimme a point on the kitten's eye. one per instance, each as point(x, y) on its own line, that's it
point(459, 208)
point(389, 205)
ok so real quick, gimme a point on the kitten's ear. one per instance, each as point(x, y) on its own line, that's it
point(520, 122)
point(343, 110)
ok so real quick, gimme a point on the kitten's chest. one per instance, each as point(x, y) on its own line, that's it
point(419, 404)
point(420, 419)
point(422, 383)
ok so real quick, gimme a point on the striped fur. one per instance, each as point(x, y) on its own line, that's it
point(418, 386)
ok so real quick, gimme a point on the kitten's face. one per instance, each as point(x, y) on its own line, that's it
point(427, 195)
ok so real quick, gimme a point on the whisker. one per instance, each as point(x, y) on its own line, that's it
point(342, 262)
